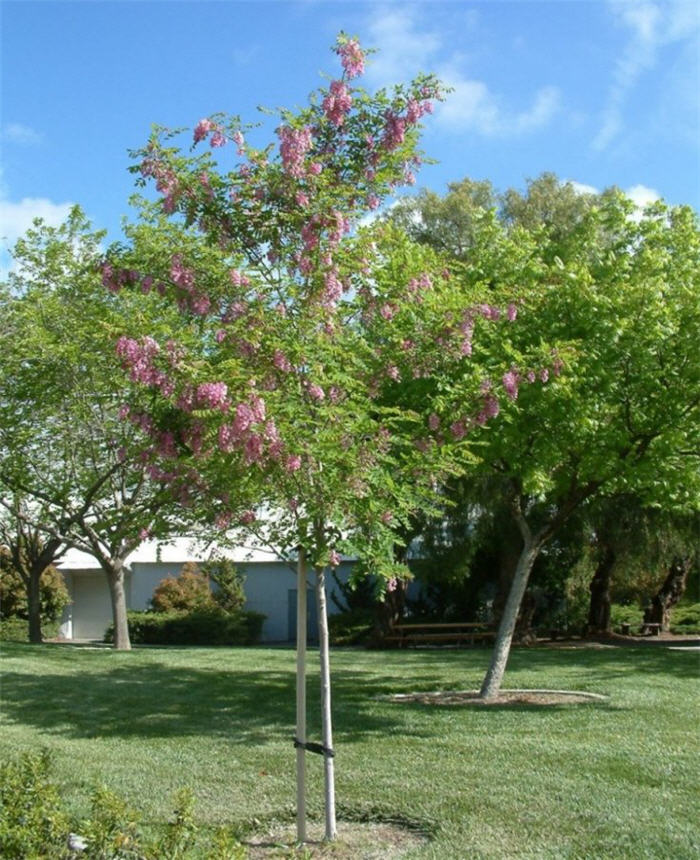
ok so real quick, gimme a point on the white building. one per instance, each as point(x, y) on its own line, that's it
point(270, 586)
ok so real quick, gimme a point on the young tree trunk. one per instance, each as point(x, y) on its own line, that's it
point(494, 676)
point(115, 577)
point(599, 609)
point(659, 611)
point(326, 718)
point(301, 696)
point(34, 604)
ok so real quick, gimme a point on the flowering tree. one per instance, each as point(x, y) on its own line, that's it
point(310, 326)
point(69, 471)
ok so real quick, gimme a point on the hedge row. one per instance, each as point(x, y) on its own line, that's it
point(202, 627)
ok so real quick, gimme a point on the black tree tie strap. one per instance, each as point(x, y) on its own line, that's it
point(314, 748)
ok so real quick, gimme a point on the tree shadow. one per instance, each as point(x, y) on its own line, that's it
point(157, 698)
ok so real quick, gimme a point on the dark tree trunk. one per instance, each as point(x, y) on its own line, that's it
point(115, 577)
point(599, 609)
point(508, 554)
point(659, 611)
point(390, 610)
point(34, 605)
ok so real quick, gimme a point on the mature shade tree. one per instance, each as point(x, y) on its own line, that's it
point(64, 452)
point(619, 296)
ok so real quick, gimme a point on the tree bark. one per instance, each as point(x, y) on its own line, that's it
point(326, 717)
point(494, 676)
point(599, 609)
point(659, 611)
point(34, 604)
point(115, 577)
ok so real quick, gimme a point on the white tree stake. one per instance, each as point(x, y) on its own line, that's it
point(326, 719)
point(301, 696)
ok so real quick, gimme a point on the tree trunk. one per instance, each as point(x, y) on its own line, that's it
point(599, 610)
point(659, 611)
point(34, 604)
point(115, 577)
point(326, 718)
point(301, 696)
point(494, 676)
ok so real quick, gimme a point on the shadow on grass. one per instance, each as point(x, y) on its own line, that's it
point(137, 695)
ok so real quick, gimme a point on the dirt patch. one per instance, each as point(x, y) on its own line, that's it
point(356, 841)
point(505, 697)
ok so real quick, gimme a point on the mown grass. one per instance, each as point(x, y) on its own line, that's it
point(614, 779)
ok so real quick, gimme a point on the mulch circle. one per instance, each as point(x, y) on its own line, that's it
point(356, 841)
point(505, 697)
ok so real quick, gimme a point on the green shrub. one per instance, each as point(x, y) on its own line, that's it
point(187, 592)
point(33, 826)
point(210, 626)
point(229, 593)
point(685, 618)
point(15, 629)
point(621, 614)
point(53, 594)
point(353, 627)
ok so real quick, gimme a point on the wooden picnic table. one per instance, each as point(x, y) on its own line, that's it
point(450, 633)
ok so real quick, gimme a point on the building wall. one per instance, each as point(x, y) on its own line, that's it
point(270, 588)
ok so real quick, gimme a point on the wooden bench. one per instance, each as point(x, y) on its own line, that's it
point(456, 633)
point(653, 628)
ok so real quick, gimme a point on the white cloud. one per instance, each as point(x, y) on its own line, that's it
point(16, 132)
point(651, 26)
point(17, 217)
point(641, 195)
point(410, 46)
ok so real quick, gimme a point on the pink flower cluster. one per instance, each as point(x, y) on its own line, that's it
point(251, 432)
point(166, 180)
point(212, 395)
point(198, 302)
point(138, 358)
point(295, 144)
point(204, 127)
point(337, 103)
point(352, 58)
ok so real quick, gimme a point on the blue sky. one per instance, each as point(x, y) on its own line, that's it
point(599, 92)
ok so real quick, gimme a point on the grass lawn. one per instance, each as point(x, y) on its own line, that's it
point(602, 780)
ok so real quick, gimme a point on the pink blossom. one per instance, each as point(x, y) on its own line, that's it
point(302, 199)
point(239, 141)
point(458, 429)
point(510, 383)
point(373, 201)
point(387, 311)
point(544, 374)
point(281, 361)
point(386, 517)
point(292, 463)
point(352, 58)
point(144, 534)
point(392, 584)
point(337, 103)
point(124, 411)
point(243, 419)
point(315, 168)
point(316, 392)
point(433, 421)
point(222, 521)
point(202, 129)
point(257, 406)
point(491, 406)
point(334, 558)
point(253, 448)
point(394, 132)
point(213, 395)
point(227, 438)
point(512, 312)
point(295, 144)
point(531, 376)
point(217, 139)
point(393, 372)
point(248, 517)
